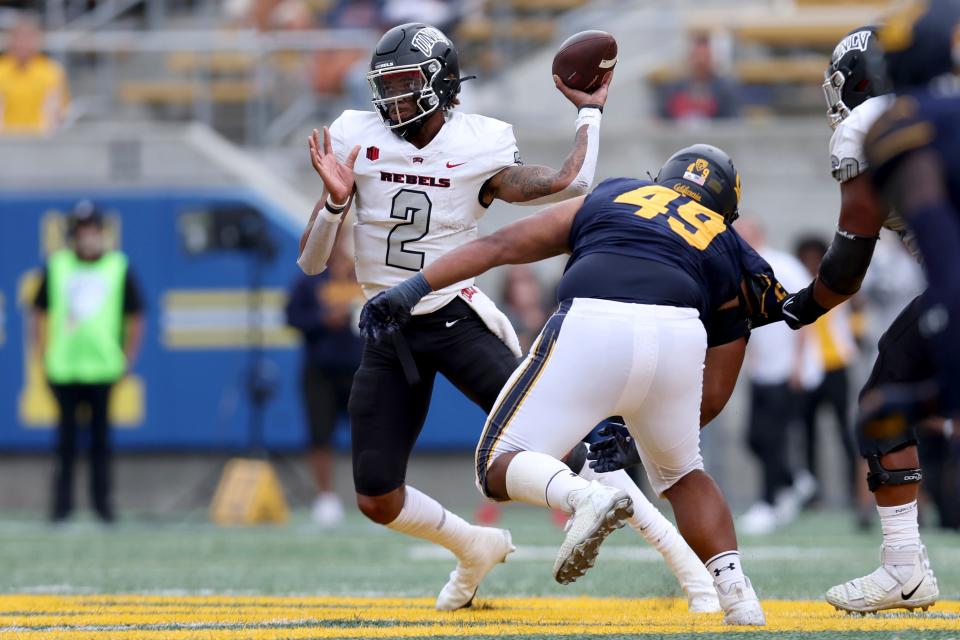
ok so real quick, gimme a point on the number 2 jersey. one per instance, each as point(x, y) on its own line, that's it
point(414, 205)
point(639, 242)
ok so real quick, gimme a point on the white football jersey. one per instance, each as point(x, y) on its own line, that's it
point(847, 159)
point(414, 205)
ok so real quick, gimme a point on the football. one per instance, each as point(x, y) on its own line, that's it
point(584, 58)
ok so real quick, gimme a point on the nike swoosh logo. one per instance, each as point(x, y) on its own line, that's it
point(783, 309)
point(452, 322)
point(907, 596)
point(606, 64)
point(451, 165)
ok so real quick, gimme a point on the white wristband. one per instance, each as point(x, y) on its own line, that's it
point(335, 206)
point(588, 116)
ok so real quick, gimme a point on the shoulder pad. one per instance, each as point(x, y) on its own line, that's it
point(847, 159)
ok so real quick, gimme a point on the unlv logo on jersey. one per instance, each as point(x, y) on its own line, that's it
point(373, 153)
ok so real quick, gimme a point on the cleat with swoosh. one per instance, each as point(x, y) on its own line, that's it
point(884, 589)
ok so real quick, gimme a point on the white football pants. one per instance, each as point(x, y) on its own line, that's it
point(599, 358)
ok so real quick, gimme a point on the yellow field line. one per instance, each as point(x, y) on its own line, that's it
point(135, 617)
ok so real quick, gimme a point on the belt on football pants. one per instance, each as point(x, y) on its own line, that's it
point(407, 362)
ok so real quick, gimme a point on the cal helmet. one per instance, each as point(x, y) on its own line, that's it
point(922, 42)
point(706, 174)
point(414, 71)
point(855, 74)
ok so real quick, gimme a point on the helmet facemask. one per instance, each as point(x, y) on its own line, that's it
point(404, 96)
point(837, 110)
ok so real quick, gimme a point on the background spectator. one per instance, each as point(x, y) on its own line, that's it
point(775, 359)
point(835, 343)
point(703, 93)
point(322, 308)
point(88, 326)
point(33, 88)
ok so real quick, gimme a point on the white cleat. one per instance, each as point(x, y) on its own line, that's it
point(599, 511)
point(696, 581)
point(490, 547)
point(741, 605)
point(883, 590)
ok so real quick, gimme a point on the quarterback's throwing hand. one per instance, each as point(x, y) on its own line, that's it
point(581, 98)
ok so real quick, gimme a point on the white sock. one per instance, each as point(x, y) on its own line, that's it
point(725, 569)
point(646, 520)
point(899, 524)
point(536, 478)
point(425, 518)
point(900, 528)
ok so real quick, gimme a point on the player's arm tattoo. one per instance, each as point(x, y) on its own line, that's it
point(523, 183)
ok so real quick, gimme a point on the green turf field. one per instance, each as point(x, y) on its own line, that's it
point(184, 578)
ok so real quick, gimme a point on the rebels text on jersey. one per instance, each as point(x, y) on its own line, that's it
point(640, 242)
point(413, 205)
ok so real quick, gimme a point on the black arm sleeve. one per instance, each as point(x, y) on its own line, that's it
point(132, 299)
point(846, 262)
point(41, 302)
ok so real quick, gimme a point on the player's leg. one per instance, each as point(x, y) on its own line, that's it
point(574, 373)
point(666, 425)
point(387, 414)
point(904, 578)
point(479, 364)
point(658, 532)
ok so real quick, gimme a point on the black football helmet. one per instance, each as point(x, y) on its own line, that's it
point(855, 74)
point(922, 43)
point(414, 71)
point(706, 174)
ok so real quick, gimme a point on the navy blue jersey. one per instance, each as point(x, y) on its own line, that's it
point(640, 242)
point(928, 122)
point(916, 122)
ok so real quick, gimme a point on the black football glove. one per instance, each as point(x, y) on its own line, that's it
point(765, 296)
point(800, 309)
point(614, 451)
point(388, 311)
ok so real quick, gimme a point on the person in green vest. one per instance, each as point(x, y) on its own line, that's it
point(88, 326)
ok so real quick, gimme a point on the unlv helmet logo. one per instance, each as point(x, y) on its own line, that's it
point(372, 153)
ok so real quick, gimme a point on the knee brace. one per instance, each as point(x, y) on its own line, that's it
point(878, 476)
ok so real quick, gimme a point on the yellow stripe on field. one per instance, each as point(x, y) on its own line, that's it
point(135, 617)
